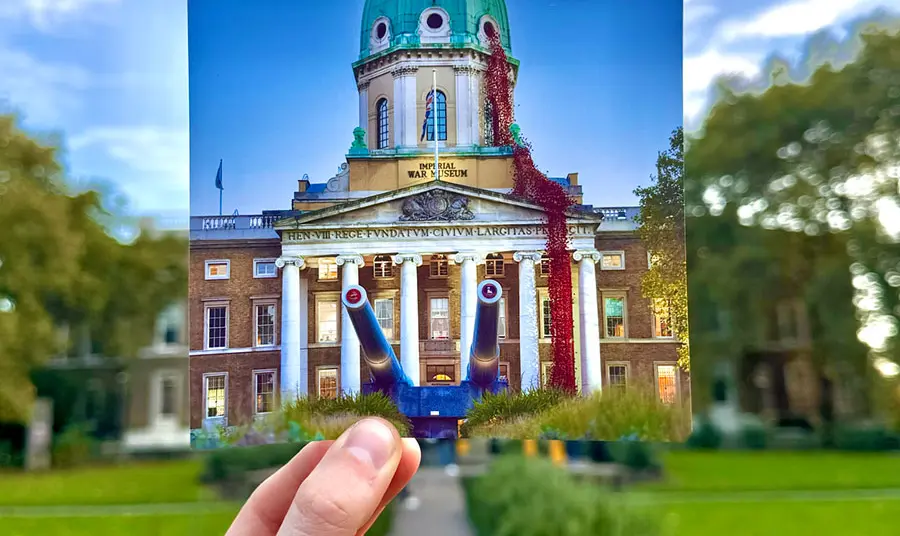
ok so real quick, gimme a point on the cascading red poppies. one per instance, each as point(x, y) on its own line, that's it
point(533, 185)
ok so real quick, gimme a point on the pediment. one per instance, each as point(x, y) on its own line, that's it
point(435, 202)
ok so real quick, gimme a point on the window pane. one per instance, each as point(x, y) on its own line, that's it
point(617, 376)
point(440, 107)
point(216, 326)
point(265, 268)
point(612, 260)
point(439, 266)
point(545, 265)
point(504, 371)
point(384, 313)
point(217, 269)
point(215, 396)
point(501, 329)
point(383, 266)
point(614, 311)
point(665, 378)
point(661, 324)
point(265, 392)
point(265, 325)
point(545, 317)
point(444, 374)
point(326, 314)
point(440, 318)
point(383, 124)
point(328, 387)
point(327, 269)
point(167, 397)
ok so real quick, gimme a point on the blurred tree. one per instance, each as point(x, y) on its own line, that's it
point(63, 278)
point(792, 194)
point(661, 229)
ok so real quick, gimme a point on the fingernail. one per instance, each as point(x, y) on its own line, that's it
point(371, 441)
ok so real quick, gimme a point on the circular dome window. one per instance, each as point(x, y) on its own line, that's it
point(489, 29)
point(381, 30)
point(435, 21)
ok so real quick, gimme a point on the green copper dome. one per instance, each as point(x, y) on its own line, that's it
point(403, 19)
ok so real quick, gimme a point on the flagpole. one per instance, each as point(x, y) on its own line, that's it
point(434, 111)
point(220, 200)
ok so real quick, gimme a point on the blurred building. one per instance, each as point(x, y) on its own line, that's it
point(266, 319)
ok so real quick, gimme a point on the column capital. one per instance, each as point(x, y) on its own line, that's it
point(350, 258)
point(363, 85)
point(297, 261)
point(533, 256)
point(404, 71)
point(589, 255)
point(414, 258)
point(463, 256)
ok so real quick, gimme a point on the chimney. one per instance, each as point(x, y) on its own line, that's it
point(303, 184)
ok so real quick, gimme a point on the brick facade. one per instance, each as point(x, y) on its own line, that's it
point(638, 350)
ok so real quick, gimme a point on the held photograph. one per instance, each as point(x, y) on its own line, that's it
point(439, 278)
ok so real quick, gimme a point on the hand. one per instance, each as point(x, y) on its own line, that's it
point(333, 488)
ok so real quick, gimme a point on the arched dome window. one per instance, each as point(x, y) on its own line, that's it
point(382, 123)
point(434, 26)
point(440, 108)
point(487, 27)
point(380, 35)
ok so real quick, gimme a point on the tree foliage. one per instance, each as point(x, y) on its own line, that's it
point(60, 268)
point(792, 193)
point(661, 229)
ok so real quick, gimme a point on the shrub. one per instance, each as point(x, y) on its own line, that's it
point(754, 437)
point(865, 438)
point(224, 464)
point(610, 415)
point(637, 456)
point(73, 447)
point(705, 436)
point(531, 497)
point(332, 416)
point(496, 409)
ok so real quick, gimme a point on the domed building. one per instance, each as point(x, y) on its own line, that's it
point(267, 321)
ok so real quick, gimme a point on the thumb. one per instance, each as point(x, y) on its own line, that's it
point(342, 493)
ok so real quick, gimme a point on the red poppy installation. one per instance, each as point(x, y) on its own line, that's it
point(534, 186)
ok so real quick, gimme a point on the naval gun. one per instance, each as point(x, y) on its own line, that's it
point(434, 411)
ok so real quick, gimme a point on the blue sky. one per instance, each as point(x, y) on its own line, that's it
point(273, 94)
point(111, 76)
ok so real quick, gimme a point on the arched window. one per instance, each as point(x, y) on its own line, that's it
point(382, 107)
point(493, 265)
point(439, 266)
point(383, 267)
point(440, 107)
point(488, 124)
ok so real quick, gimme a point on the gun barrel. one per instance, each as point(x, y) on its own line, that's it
point(484, 356)
point(378, 353)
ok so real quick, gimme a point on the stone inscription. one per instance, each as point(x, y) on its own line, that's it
point(425, 232)
point(446, 170)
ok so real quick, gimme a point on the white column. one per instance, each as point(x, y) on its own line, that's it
point(529, 358)
point(589, 317)
point(350, 369)
point(468, 302)
point(475, 108)
point(406, 135)
point(293, 382)
point(464, 103)
point(409, 314)
point(364, 110)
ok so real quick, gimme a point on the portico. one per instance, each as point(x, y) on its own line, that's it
point(435, 219)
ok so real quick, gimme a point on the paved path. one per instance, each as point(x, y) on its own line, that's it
point(442, 510)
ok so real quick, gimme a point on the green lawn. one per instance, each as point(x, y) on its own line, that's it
point(142, 483)
point(834, 518)
point(157, 525)
point(768, 470)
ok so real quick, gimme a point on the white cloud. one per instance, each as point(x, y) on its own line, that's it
point(740, 45)
point(44, 92)
point(45, 15)
point(154, 156)
point(796, 18)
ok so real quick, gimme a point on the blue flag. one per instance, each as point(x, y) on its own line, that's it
point(219, 177)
